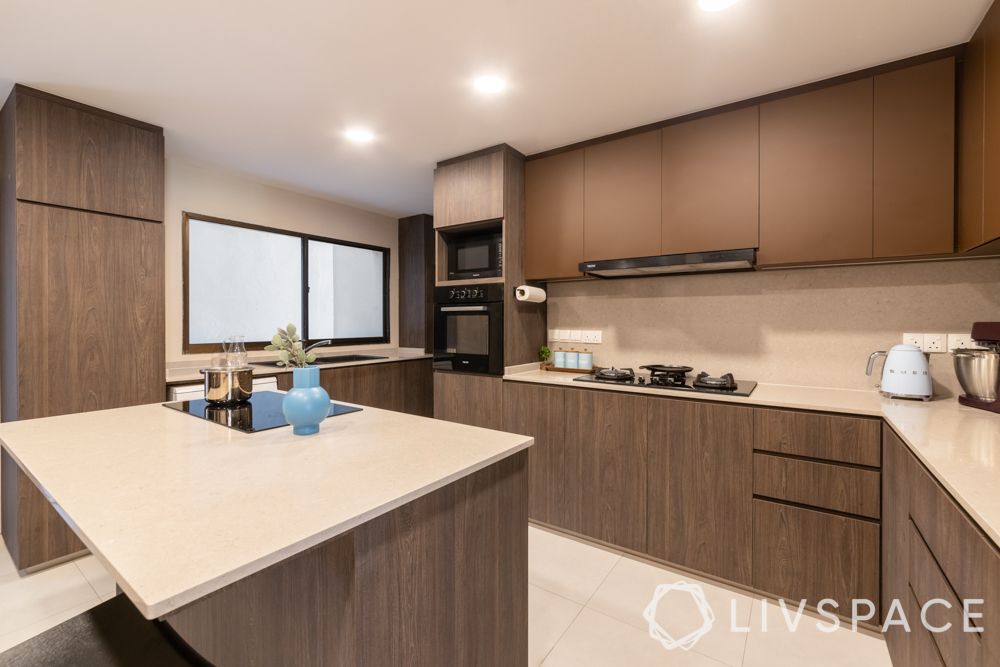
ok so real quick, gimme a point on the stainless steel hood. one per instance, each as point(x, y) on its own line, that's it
point(691, 262)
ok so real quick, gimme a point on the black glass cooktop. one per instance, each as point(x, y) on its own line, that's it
point(261, 413)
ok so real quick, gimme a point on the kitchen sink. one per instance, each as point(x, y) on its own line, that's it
point(338, 359)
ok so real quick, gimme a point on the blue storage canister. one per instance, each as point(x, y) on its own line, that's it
point(586, 361)
point(572, 359)
point(560, 359)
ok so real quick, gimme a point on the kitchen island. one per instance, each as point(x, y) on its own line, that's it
point(384, 539)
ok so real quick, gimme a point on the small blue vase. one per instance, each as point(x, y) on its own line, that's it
point(306, 404)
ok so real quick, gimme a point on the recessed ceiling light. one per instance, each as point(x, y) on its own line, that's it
point(489, 84)
point(360, 135)
point(715, 5)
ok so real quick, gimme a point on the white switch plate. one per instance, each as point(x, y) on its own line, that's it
point(935, 342)
point(553, 334)
point(559, 334)
point(914, 339)
point(961, 341)
point(590, 336)
point(574, 335)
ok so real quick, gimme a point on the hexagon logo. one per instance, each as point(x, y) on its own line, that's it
point(689, 640)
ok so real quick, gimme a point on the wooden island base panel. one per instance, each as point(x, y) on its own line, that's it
point(440, 581)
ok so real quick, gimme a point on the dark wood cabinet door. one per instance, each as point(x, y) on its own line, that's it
point(847, 489)
point(710, 183)
point(469, 190)
point(374, 385)
point(465, 398)
point(553, 216)
point(699, 486)
point(816, 175)
point(555, 487)
point(621, 210)
point(70, 156)
point(971, 106)
point(86, 285)
point(896, 475)
point(418, 387)
point(819, 436)
point(914, 200)
point(609, 430)
point(990, 33)
point(806, 554)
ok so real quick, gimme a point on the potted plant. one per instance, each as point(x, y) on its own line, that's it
point(544, 354)
point(306, 404)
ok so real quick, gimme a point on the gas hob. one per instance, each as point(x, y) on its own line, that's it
point(673, 377)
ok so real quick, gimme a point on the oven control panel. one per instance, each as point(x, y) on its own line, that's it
point(469, 293)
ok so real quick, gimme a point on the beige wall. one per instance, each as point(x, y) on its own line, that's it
point(193, 188)
point(802, 327)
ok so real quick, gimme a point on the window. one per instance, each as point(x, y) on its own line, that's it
point(242, 279)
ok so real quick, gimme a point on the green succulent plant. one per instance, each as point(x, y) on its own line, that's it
point(289, 348)
point(544, 353)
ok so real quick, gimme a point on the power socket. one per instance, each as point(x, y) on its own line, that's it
point(935, 342)
point(590, 336)
point(914, 339)
point(961, 341)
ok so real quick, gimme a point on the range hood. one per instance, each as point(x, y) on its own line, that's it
point(691, 262)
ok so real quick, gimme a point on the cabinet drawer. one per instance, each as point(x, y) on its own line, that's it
point(827, 485)
point(829, 437)
point(812, 555)
point(927, 582)
point(967, 559)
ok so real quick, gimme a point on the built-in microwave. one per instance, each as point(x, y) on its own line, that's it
point(468, 328)
point(475, 254)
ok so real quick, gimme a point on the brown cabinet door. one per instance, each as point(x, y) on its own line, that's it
point(806, 554)
point(609, 430)
point(971, 105)
point(68, 156)
point(373, 385)
point(990, 30)
point(469, 399)
point(847, 489)
point(896, 477)
point(710, 183)
point(699, 486)
point(914, 196)
point(553, 216)
point(621, 210)
point(418, 387)
point(829, 437)
point(469, 191)
point(555, 489)
point(816, 175)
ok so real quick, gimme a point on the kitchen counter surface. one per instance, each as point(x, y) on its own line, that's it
point(177, 507)
point(959, 445)
point(188, 371)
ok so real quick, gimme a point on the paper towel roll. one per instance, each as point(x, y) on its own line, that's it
point(529, 293)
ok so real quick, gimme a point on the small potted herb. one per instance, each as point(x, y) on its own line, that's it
point(544, 354)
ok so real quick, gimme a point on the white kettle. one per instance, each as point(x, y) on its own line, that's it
point(905, 373)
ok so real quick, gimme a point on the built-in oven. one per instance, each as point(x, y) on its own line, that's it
point(468, 328)
point(474, 254)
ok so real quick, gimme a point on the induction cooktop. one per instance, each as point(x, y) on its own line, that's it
point(261, 413)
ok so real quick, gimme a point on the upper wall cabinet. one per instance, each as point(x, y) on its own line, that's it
point(553, 210)
point(78, 157)
point(621, 210)
point(979, 137)
point(469, 190)
point(816, 175)
point(914, 177)
point(710, 183)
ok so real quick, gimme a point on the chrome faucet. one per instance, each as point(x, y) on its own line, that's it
point(317, 344)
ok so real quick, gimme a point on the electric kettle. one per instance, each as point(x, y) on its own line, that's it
point(905, 373)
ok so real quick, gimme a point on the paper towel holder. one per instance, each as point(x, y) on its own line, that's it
point(529, 294)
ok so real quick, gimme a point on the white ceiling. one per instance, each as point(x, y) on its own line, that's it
point(266, 88)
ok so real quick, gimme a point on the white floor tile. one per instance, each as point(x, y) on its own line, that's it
point(629, 588)
point(596, 640)
point(35, 597)
point(7, 567)
point(97, 576)
point(23, 634)
point(548, 618)
point(565, 566)
point(778, 646)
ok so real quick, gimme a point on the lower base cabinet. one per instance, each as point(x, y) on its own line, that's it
point(935, 560)
point(470, 399)
point(403, 386)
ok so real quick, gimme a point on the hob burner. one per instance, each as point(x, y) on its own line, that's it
point(704, 381)
point(668, 375)
point(615, 374)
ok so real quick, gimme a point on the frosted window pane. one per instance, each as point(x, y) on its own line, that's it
point(346, 291)
point(241, 281)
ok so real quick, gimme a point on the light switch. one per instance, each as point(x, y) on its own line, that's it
point(574, 335)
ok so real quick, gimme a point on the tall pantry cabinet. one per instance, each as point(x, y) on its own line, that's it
point(81, 284)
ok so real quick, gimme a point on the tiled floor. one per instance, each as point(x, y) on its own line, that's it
point(585, 603)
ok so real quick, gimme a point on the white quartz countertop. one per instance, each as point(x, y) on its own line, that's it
point(189, 371)
point(177, 507)
point(959, 445)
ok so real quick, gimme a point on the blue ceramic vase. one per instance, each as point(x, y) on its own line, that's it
point(306, 404)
